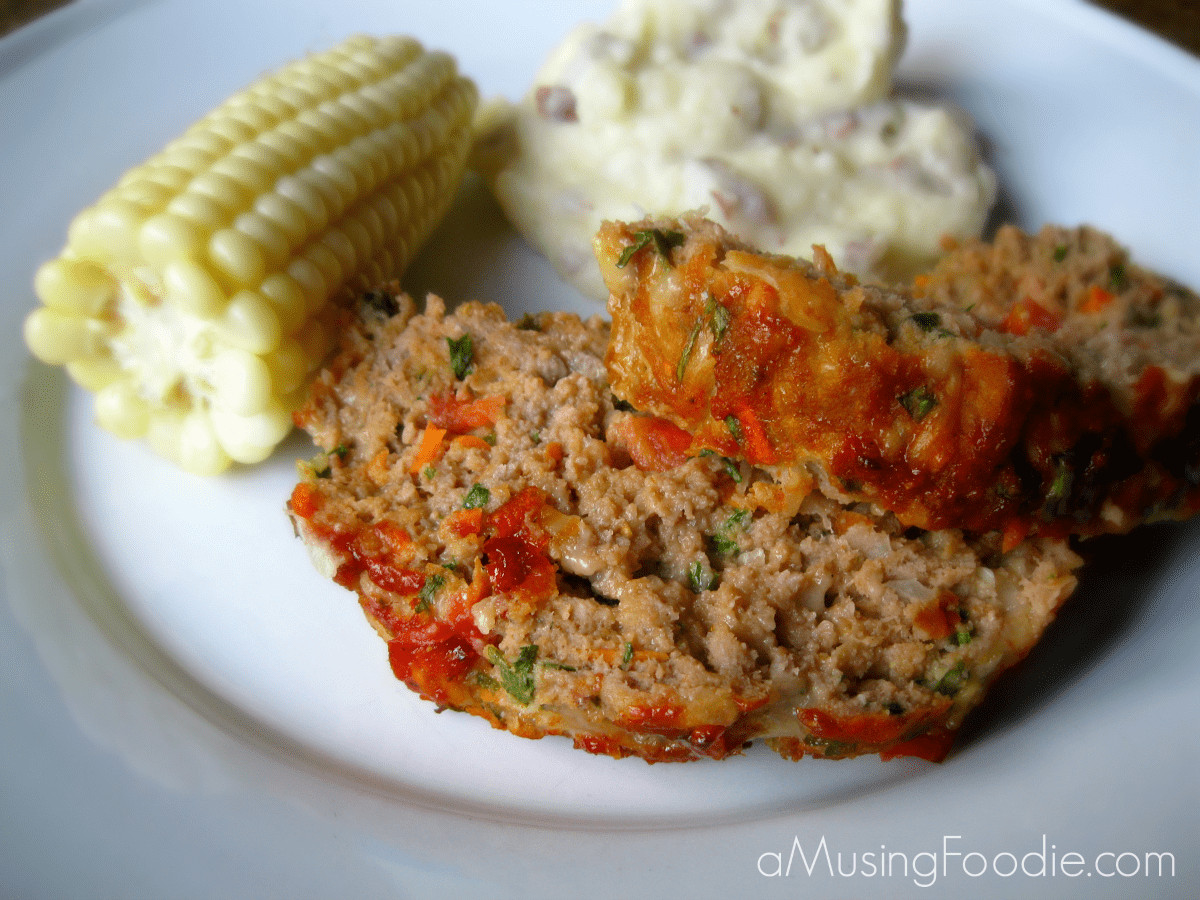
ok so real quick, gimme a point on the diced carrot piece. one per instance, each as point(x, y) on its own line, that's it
point(462, 414)
point(1097, 299)
point(1027, 315)
point(471, 441)
point(429, 448)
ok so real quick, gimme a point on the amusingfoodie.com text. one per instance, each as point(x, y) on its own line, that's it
point(954, 859)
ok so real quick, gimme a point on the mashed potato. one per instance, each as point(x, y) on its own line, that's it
point(772, 115)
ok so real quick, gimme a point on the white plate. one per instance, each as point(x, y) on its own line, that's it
point(188, 710)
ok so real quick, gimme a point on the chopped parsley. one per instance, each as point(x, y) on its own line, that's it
point(732, 469)
point(718, 318)
point(477, 497)
point(432, 585)
point(735, 428)
point(1060, 252)
point(962, 635)
point(950, 683)
point(562, 667)
point(687, 350)
point(340, 451)
point(926, 321)
point(516, 677)
point(430, 472)
point(663, 241)
point(462, 354)
point(919, 402)
point(724, 541)
point(626, 655)
point(701, 577)
point(1116, 276)
point(484, 680)
point(1060, 487)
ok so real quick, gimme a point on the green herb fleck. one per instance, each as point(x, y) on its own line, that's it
point(723, 540)
point(340, 451)
point(536, 437)
point(484, 680)
point(431, 586)
point(718, 318)
point(687, 350)
point(732, 469)
point(477, 497)
point(462, 353)
point(1060, 487)
point(429, 472)
point(919, 402)
point(926, 321)
point(626, 655)
point(735, 428)
point(450, 564)
point(663, 241)
point(962, 635)
point(1060, 252)
point(700, 577)
point(950, 683)
point(516, 677)
point(562, 667)
point(1116, 276)
point(490, 439)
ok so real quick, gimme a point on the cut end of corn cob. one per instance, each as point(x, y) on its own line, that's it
point(193, 299)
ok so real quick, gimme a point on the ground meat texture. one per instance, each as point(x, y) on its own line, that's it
point(535, 553)
point(1030, 386)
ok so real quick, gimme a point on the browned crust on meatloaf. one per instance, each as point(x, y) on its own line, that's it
point(667, 614)
point(956, 405)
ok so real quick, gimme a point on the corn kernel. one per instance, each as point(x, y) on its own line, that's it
point(74, 285)
point(192, 298)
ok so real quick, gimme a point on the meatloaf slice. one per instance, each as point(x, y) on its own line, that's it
point(968, 402)
point(536, 554)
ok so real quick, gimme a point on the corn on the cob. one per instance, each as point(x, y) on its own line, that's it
point(190, 297)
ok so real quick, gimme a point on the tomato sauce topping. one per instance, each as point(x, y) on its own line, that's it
point(769, 362)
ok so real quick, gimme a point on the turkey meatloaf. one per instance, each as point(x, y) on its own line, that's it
point(1031, 385)
point(535, 553)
